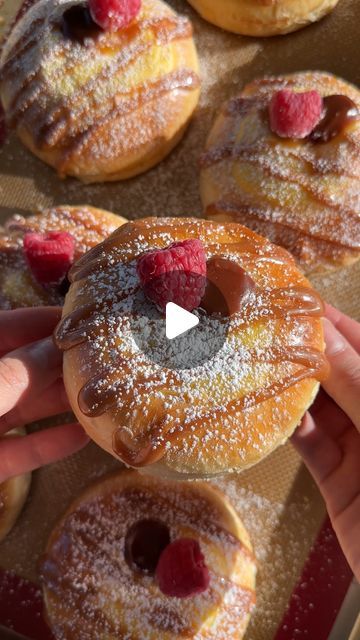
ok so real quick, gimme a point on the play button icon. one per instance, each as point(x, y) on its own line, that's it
point(175, 338)
point(178, 321)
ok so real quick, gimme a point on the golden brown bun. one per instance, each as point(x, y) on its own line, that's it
point(221, 416)
point(13, 494)
point(18, 287)
point(123, 106)
point(91, 591)
point(262, 17)
point(300, 194)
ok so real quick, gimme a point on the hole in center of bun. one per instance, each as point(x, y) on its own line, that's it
point(144, 543)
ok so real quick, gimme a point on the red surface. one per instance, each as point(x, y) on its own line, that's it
point(21, 607)
point(311, 612)
point(319, 594)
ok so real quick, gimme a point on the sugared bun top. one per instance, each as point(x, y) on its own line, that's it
point(283, 158)
point(129, 557)
point(72, 88)
point(25, 269)
point(189, 408)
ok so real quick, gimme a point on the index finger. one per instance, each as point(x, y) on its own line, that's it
point(343, 383)
point(21, 326)
point(349, 327)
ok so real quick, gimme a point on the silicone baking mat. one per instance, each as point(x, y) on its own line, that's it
point(277, 499)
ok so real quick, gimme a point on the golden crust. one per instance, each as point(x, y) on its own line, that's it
point(13, 493)
point(241, 405)
point(126, 104)
point(18, 288)
point(262, 17)
point(301, 195)
point(86, 552)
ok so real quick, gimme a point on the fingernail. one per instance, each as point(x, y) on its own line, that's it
point(335, 341)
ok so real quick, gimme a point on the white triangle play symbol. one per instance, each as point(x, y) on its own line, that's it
point(178, 320)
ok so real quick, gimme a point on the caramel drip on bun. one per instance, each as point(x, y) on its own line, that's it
point(151, 407)
point(300, 193)
point(152, 446)
point(90, 588)
point(101, 393)
point(66, 91)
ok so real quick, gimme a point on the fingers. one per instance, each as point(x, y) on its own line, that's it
point(19, 455)
point(28, 371)
point(328, 415)
point(51, 402)
point(347, 326)
point(318, 450)
point(343, 383)
point(334, 464)
point(21, 326)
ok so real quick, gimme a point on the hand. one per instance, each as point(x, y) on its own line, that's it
point(31, 388)
point(328, 438)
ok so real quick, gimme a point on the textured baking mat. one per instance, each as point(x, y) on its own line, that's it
point(277, 499)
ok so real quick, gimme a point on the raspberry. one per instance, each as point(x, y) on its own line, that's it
point(295, 115)
point(175, 274)
point(181, 571)
point(112, 15)
point(49, 255)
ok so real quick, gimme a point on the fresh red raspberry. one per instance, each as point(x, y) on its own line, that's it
point(113, 15)
point(175, 274)
point(49, 255)
point(295, 115)
point(181, 571)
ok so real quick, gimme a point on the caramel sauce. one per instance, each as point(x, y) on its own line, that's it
point(183, 79)
point(144, 543)
point(339, 112)
point(227, 286)
point(83, 560)
point(58, 126)
point(332, 230)
point(259, 307)
point(77, 24)
point(312, 363)
point(280, 303)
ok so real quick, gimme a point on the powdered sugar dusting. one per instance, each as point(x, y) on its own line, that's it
point(90, 587)
point(188, 413)
point(18, 288)
point(94, 105)
point(302, 195)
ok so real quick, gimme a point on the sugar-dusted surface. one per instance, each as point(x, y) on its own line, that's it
point(88, 226)
point(91, 590)
point(280, 506)
point(221, 415)
point(104, 107)
point(303, 195)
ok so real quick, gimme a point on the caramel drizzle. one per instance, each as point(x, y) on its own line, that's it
point(334, 228)
point(217, 154)
point(316, 193)
point(59, 119)
point(98, 258)
point(22, 46)
point(97, 396)
point(104, 391)
point(284, 218)
point(147, 93)
point(57, 123)
point(82, 536)
point(152, 447)
point(340, 226)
